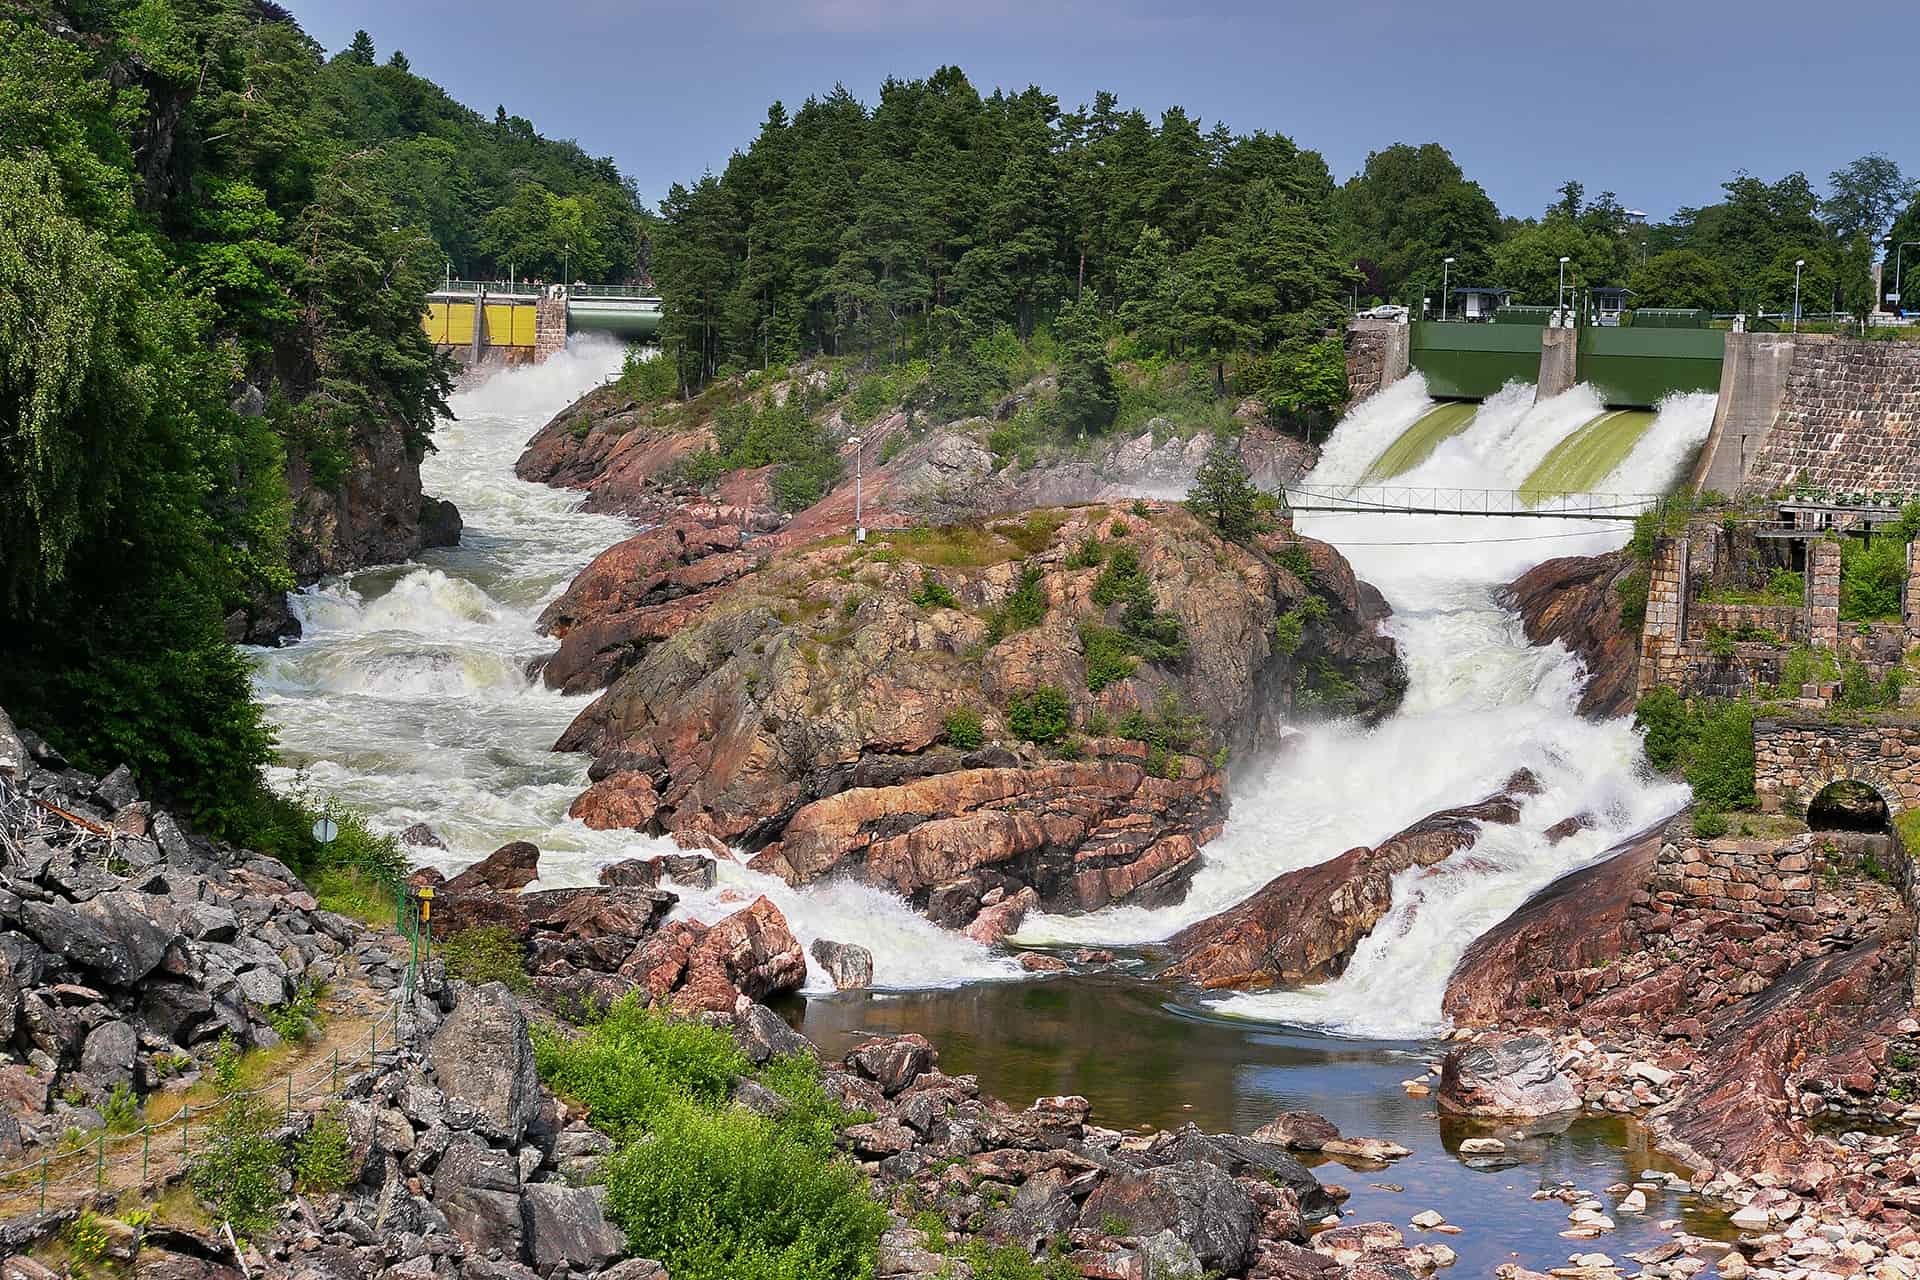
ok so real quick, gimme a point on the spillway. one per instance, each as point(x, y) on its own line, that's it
point(1481, 703)
point(1417, 443)
point(1581, 461)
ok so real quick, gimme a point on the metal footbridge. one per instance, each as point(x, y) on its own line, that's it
point(1423, 500)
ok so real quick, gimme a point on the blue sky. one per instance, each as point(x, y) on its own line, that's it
point(1659, 102)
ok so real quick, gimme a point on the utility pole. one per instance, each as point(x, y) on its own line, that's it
point(1797, 264)
point(859, 529)
point(1560, 304)
point(1446, 270)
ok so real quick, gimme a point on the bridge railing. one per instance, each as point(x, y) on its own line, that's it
point(494, 288)
point(1427, 500)
point(584, 292)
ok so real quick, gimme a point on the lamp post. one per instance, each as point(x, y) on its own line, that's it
point(1797, 264)
point(1562, 305)
point(1446, 268)
point(1898, 253)
point(566, 268)
point(859, 530)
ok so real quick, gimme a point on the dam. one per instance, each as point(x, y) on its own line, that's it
point(518, 322)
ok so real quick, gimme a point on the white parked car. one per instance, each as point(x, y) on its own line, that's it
point(1386, 311)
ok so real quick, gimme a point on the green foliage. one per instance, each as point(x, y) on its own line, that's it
point(1169, 727)
point(122, 1110)
point(297, 1019)
point(320, 1155)
point(646, 377)
point(1288, 630)
point(1088, 400)
point(963, 729)
point(781, 435)
point(1805, 665)
point(931, 594)
point(1631, 590)
point(486, 953)
point(1025, 608)
point(1680, 278)
point(1295, 559)
point(1145, 630)
point(1110, 656)
point(1873, 573)
point(1859, 691)
point(1043, 715)
point(1709, 824)
point(1711, 743)
point(236, 1173)
point(87, 1241)
point(1223, 490)
point(715, 1191)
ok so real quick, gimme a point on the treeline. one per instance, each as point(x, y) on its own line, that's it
point(194, 199)
point(934, 221)
point(1412, 207)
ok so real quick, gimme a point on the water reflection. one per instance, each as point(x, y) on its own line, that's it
point(1146, 1061)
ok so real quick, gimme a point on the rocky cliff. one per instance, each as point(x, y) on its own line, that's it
point(376, 514)
point(1575, 600)
point(872, 708)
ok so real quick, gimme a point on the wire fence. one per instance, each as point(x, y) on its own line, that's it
point(105, 1162)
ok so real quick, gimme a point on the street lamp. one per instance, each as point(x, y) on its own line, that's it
point(1562, 307)
point(859, 530)
point(1797, 264)
point(1898, 253)
point(1445, 269)
point(566, 268)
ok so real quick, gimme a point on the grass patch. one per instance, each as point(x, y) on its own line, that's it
point(355, 894)
point(486, 953)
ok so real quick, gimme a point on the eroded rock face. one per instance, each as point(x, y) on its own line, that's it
point(803, 714)
point(1505, 1076)
point(1204, 1209)
point(1572, 599)
point(1303, 926)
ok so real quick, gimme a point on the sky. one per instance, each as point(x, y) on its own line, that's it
point(1657, 102)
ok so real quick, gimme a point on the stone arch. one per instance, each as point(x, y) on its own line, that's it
point(1849, 804)
point(1840, 766)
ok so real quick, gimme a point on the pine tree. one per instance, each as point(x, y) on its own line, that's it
point(1223, 490)
point(361, 50)
point(1088, 400)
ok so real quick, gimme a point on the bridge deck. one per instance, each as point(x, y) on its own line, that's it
point(1522, 504)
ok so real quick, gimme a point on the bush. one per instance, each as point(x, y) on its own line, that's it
point(1288, 631)
point(647, 376)
point(486, 953)
point(1709, 824)
point(1295, 559)
point(1042, 716)
point(295, 1020)
point(1153, 635)
point(320, 1155)
point(1711, 743)
point(1088, 554)
point(237, 1175)
point(963, 729)
point(934, 595)
point(715, 1191)
point(1110, 657)
point(1631, 591)
point(1025, 608)
point(1872, 573)
point(122, 1110)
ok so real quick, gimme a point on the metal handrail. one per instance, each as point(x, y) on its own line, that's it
point(1528, 503)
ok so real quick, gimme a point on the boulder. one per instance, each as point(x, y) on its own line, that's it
point(752, 950)
point(1505, 1076)
point(848, 964)
point(1238, 1156)
point(482, 1056)
point(762, 1034)
point(1298, 1131)
point(422, 836)
point(478, 1189)
point(115, 935)
point(1303, 926)
point(1204, 1209)
point(108, 1055)
point(567, 1225)
point(508, 869)
point(893, 1062)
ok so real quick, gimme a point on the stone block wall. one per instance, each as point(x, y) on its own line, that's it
point(1849, 419)
point(550, 324)
point(1787, 621)
point(1664, 631)
point(1823, 593)
point(1793, 761)
point(1378, 355)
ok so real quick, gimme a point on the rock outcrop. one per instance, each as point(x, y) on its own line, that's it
point(1575, 600)
point(1512, 1076)
point(1303, 926)
point(805, 714)
point(374, 514)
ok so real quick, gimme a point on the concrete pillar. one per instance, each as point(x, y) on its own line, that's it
point(1823, 594)
point(1378, 355)
point(1753, 382)
point(479, 343)
point(1665, 626)
point(550, 323)
point(1559, 362)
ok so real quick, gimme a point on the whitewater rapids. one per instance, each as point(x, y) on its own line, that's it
point(1481, 702)
point(408, 699)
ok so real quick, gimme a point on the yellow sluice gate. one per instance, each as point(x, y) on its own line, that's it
point(449, 324)
point(507, 324)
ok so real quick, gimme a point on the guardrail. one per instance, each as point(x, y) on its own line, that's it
point(90, 1165)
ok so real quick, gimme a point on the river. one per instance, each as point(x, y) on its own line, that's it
point(408, 698)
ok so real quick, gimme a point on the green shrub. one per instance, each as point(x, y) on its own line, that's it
point(320, 1158)
point(963, 729)
point(87, 1242)
point(1295, 559)
point(647, 375)
point(1150, 633)
point(1872, 573)
point(1024, 609)
point(1710, 742)
point(715, 1192)
point(486, 953)
point(1042, 716)
point(1288, 631)
point(237, 1172)
point(1631, 591)
point(934, 595)
point(896, 444)
point(296, 1020)
point(1709, 824)
point(1805, 665)
point(1662, 717)
point(122, 1110)
point(1110, 657)
point(1088, 554)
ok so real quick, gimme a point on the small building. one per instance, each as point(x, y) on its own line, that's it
point(1478, 302)
point(1609, 303)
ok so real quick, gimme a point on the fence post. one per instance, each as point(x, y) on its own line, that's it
point(186, 1118)
point(43, 1183)
point(289, 1095)
point(146, 1145)
point(100, 1163)
point(336, 1069)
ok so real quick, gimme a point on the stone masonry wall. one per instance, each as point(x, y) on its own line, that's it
point(1771, 881)
point(1663, 633)
point(1793, 761)
point(550, 324)
point(1849, 419)
point(1378, 352)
